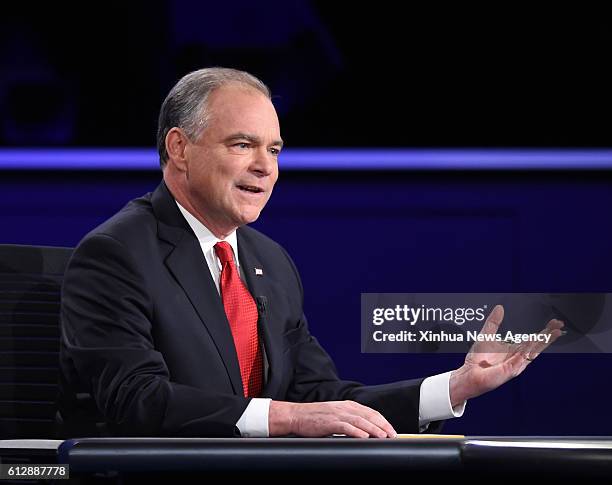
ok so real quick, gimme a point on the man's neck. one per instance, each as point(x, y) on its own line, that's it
point(183, 199)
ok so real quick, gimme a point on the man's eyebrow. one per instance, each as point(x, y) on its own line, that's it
point(252, 138)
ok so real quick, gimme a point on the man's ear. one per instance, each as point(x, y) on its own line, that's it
point(176, 142)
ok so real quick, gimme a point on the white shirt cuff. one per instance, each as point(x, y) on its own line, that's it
point(434, 403)
point(254, 421)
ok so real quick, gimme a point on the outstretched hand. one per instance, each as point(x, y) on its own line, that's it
point(489, 364)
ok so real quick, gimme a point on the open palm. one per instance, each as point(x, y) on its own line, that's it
point(489, 364)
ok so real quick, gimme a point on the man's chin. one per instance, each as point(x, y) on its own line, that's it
point(247, 217)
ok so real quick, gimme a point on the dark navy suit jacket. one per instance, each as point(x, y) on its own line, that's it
point(146, 347)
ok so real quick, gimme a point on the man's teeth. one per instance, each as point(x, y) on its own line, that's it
point(250, 188)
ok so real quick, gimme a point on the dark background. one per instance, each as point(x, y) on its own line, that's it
point(345, 76)
point(95, 73)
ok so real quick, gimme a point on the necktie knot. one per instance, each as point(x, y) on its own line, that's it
point(224, 252)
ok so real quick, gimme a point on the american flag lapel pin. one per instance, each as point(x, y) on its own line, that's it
point(258, 272)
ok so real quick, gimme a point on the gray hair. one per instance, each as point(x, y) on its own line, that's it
point(185, 106)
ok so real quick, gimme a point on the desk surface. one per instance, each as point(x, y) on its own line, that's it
point(561, 455)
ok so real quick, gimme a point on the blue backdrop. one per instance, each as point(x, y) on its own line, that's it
point(401, 231)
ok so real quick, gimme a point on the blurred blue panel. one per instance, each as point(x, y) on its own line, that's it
point(326, 159)
point(409, 231)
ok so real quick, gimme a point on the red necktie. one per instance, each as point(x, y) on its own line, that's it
point(242, 315)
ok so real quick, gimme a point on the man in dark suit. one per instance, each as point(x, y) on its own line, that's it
point(180, 320)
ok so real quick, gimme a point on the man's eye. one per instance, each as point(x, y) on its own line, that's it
point(242, 145)
point(275, 151)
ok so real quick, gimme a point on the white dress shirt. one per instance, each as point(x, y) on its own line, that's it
point(434, 402)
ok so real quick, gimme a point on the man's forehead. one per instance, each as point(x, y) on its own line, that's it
point(237, 109)
point(236, 94)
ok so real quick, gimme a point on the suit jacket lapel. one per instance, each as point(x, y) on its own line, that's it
point(187, 264)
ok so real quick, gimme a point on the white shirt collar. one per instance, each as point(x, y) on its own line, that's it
point(205, 237)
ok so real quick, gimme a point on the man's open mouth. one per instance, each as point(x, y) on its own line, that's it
point(250, 188)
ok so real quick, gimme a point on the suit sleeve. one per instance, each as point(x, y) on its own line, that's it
point(315, 379)
point(107, 316)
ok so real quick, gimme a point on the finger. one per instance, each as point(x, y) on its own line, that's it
point(554, 332)
point(380, 421)
point(374, 417)
point(554, 324)
point(350, 430)
point(493, 321)
point(530, 350)
point(365, 425)
point(517, 364)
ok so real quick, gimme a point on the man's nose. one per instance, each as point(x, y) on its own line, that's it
point(264, 163)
